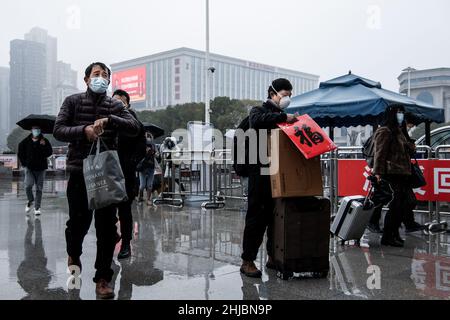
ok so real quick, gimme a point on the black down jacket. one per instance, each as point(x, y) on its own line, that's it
point(81, 110)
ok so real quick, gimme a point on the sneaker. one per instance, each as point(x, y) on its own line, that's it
point(103, 290)
point(37, 211)
point(250, 270)
point(414, 227)
point(28, 206)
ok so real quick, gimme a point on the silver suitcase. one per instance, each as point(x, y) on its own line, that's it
point(352, 218)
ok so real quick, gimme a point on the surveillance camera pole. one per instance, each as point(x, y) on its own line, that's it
point(207, 99)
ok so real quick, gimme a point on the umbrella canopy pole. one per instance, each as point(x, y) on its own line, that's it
point(428, 133)
point(374, 128)
point(332, 133)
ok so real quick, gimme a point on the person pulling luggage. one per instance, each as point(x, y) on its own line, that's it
point(392, 162)
point(383, 188)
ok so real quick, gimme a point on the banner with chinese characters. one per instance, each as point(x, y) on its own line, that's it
point(353, 174)
point(308, 137)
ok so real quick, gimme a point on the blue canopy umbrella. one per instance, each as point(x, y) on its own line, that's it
point(351, 100)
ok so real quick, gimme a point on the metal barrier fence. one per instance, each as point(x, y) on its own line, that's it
point(438, 225)
point(208, 177)
point(434, 215)
point(189, 176)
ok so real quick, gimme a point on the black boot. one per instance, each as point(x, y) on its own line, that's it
point(389, 239)
point(398, 237)
point(125, 250)
point(141, 196)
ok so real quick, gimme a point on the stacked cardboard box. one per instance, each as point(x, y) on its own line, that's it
point(292, 175)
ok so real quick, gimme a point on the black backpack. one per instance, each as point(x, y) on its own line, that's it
point(241, 169)
point(368, 151)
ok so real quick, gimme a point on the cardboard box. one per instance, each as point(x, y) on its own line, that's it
point(292, 175)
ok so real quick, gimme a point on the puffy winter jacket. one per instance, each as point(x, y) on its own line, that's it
point(81, 110)
point(33, 155)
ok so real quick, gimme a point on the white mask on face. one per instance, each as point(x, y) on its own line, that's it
point(284, 101)
point(99, 84)
point(400, 118)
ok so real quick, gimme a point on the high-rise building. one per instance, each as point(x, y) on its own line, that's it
point(4, 106)
point(431, 86)
point(61, 80)
point(27, 79)
point(65, 75)
point(66, 85)
point(178, 76)
point(41, 36)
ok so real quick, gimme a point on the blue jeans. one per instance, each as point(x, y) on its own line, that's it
point(146, 180)
point(34, 178)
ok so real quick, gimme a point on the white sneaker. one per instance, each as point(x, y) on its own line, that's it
point(37, 212)
point(28, 207)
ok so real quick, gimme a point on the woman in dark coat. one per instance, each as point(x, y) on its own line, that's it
point(392, 162)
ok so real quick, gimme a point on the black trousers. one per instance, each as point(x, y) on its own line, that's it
point(80, 218)
point(400, 208)
point(259, 217)
point(125, 214)
point(407, 214)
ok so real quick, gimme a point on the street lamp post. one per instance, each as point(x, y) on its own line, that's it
point(207, 100)
point(409, 70)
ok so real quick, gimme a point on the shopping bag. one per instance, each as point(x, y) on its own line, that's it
point(308, 137)
point(105, 182)
point(417, 178)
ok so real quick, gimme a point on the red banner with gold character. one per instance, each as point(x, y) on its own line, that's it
point(308, 137)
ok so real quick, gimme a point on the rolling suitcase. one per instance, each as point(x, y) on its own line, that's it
point(301, 236)
point(352, 217)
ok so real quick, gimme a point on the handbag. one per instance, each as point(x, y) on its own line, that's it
point(382, 194)
point(104, 179)
point(417, 179)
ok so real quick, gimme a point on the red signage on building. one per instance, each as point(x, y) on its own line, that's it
point(132, 81)
point(353, 174)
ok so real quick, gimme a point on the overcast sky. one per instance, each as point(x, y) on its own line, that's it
point(373, 38)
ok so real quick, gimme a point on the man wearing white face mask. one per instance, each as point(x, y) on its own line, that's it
point(33, 153)
point(259, 216)
point(82, 119)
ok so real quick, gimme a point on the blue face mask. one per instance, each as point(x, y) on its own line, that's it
point(99, 85)
point(36, 132)
point(400, 118)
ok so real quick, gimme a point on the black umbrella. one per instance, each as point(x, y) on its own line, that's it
point(154, 130)
point(45, 122)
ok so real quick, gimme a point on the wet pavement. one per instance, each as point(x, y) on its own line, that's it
point(190, 253)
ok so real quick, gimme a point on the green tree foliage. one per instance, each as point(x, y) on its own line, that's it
point(226, 114)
